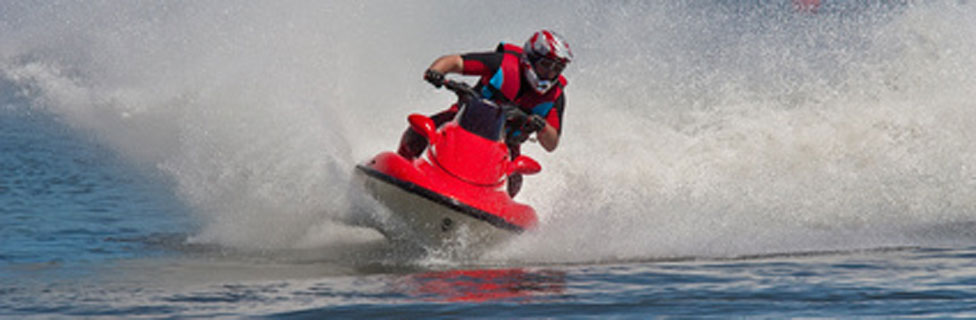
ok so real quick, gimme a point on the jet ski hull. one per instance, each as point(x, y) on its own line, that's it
point(428, 214)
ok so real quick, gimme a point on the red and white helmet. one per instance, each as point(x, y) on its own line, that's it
point(548, 44)
point(551, 47)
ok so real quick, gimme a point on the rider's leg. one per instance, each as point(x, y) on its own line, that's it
point(412, 144)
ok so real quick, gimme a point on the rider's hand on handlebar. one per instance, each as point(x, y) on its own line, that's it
point(534, 123)
point(435, 78)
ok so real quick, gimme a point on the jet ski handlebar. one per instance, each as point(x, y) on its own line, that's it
point(465, 92)
point(514, 116)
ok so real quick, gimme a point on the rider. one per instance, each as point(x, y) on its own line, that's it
point(528, 76)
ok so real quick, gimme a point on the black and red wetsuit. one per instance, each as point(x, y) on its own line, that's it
point(501, 79)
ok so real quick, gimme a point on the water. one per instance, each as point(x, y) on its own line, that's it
point(185, 159)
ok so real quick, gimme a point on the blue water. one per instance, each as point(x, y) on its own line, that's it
point(720, 159)
point(68, 202)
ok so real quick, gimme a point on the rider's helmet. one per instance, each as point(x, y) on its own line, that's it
point(546, 55)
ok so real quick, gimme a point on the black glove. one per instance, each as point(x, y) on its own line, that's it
point(527, 126)
point(534, 124)
point(516, 119)
point(435, 78)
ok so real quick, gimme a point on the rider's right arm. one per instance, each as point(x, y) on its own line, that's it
point(483, 64)
point(448, 64)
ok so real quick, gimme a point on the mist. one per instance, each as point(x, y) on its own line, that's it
point(691, 129)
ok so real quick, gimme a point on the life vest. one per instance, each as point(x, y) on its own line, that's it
point(507, 81)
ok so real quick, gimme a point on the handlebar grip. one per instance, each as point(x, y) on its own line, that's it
point(461, 89)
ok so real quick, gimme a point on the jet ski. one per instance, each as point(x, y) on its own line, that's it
point(453, 195)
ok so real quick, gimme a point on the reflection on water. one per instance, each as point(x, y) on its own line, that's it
point(480, 285)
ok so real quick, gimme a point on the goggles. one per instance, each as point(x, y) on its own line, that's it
point(550, 67)
point(554, 66)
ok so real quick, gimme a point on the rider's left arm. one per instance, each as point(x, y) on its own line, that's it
point(548, 137)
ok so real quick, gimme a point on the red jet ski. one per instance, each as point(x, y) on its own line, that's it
point(455, 195)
